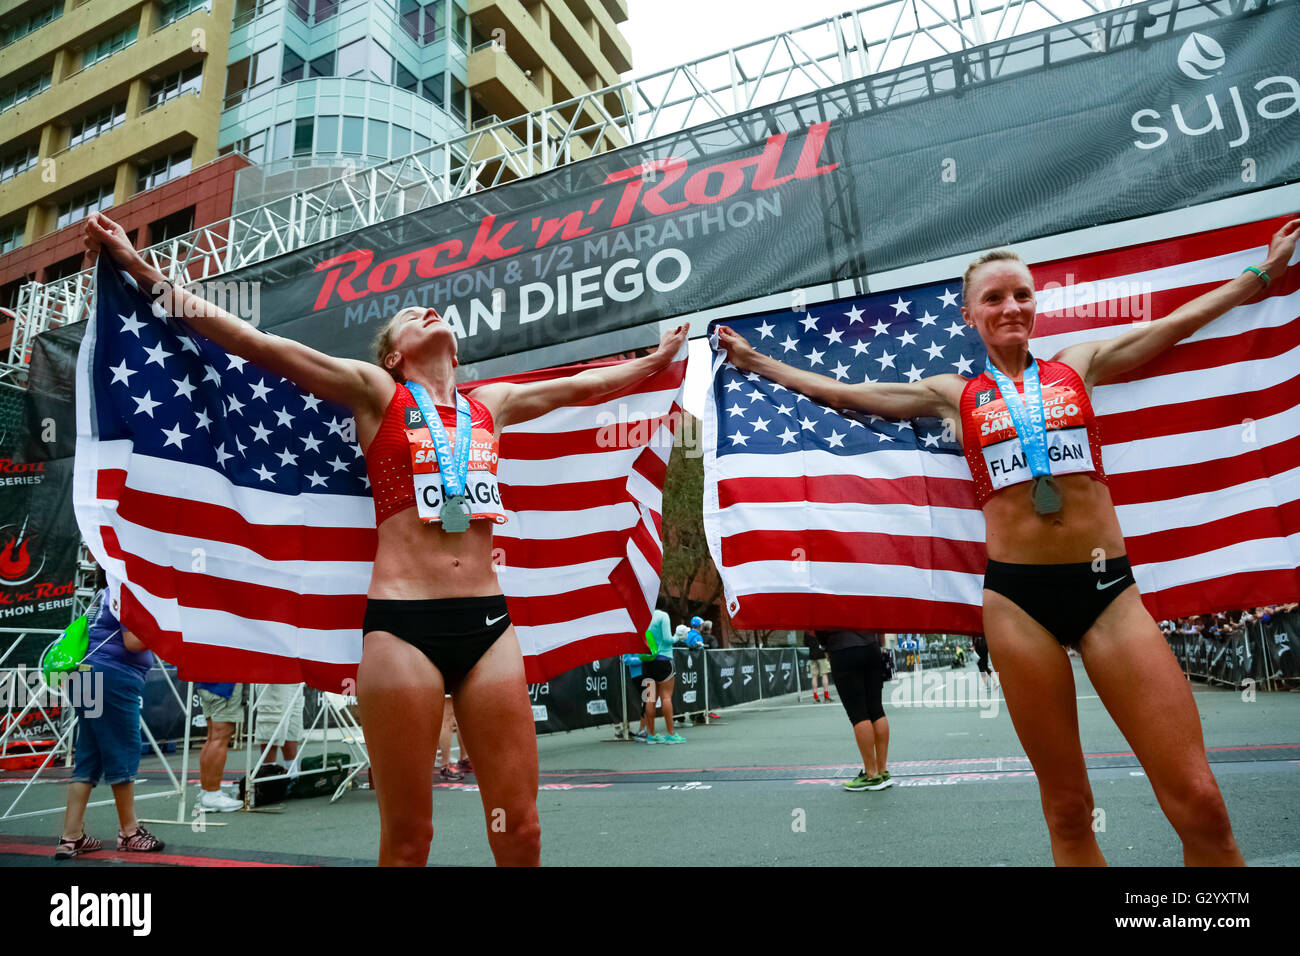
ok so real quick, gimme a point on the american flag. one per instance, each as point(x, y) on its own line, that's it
point(820, 519)
point(233, 515)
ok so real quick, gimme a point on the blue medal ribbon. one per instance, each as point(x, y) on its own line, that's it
point(455, 475)
point(1028, 416)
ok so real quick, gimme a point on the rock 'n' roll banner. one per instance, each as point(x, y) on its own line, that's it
point(825, 186)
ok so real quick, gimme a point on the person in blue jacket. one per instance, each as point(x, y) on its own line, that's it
point(107, 703)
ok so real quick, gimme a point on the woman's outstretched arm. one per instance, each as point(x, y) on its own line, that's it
point(358, 385)
point(934, 397)
point(512, 403)
point(1100, 362)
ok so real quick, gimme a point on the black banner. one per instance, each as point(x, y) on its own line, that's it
point(38, 550)
point(825, 186)
point(1262, 651)
point(586, 696)
point(688, 684)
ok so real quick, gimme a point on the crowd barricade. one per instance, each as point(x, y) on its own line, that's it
point(603, 692)
point(1263, 653)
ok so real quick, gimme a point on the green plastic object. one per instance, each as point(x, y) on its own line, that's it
point(67, 653)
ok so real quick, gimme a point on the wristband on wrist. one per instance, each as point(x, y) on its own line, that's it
point(1263, 274)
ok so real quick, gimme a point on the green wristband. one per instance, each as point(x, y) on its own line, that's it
point(1259, 272)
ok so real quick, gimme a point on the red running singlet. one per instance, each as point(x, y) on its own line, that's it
point(993, 448)
point(401, 447)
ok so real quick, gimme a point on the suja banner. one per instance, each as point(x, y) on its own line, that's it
point(826, 186)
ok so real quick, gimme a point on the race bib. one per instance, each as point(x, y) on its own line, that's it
point(1068, 449)
point(481, 489)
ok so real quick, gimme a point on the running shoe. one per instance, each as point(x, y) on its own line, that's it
point(655, 739)
point(816, 697)
point(450, 773)
point(674, 739)
point(216, 801)
point(859, 782)
point(141, 841)
point(641, 737)
point(889, 779)
point(879, 782)
point(464, 766)
point(828, 698)
point(67, 849)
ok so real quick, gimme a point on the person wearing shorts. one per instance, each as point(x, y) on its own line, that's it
point(982, 660)
point(819, 665)
point(272, 701)
point(857, 669)
point(223, 708)
point(111, 678)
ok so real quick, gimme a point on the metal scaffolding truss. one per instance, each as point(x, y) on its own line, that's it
point(903, 50)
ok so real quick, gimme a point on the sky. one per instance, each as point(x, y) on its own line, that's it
point(663, 33)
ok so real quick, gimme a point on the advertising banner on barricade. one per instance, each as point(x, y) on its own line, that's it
point(586, 696)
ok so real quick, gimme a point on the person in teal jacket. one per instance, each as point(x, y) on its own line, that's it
point(657, 681)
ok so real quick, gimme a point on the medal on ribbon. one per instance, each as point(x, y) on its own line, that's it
point(1030, 422)
point(452, 468)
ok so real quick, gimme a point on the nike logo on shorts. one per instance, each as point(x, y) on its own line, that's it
point(492, 620)
point(1102, 587)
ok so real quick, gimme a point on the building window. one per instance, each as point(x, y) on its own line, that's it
point(164, 169)
point(11, 237)
point(248, 10)
point(314, 11)
point(173, 10)
point(109, 45)
point(459, 25)
point(254, 147)
point(401, 140)
point(327, 135)
point(432, 89)
point(353, 134)
point(101, 121)
point(323, 65)
point(188, 80)
point(283, 144)
point(302, 133)
point(404, 78)
point(29, 24)
point(422, 21)
point(18, 162)
point(23, 91)
point(458, 97)
point(173, 226)
point(366, 58)
point(79, 207)
point(377, 138)
point(293, 68)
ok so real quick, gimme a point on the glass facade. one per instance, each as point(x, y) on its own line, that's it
point(344, 81)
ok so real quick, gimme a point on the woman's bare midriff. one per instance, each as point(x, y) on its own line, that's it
point(1085, 529)
point(418, 561)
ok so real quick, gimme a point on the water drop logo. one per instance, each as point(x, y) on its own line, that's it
point(1200, 57)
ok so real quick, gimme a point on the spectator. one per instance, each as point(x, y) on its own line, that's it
point(657, 678)
point(981, 647)
point(818, 664)
point(857, 668)
point(272, 701)
point(223, 707)
point(108, 732)
point(451, 769)
point(710, 639)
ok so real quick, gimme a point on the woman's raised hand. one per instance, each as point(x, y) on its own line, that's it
point(739, 351)
point(671, 342)
point(104, 235)
point(1281, 249)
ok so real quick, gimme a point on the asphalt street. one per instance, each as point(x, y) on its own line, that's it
point(763, 787)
